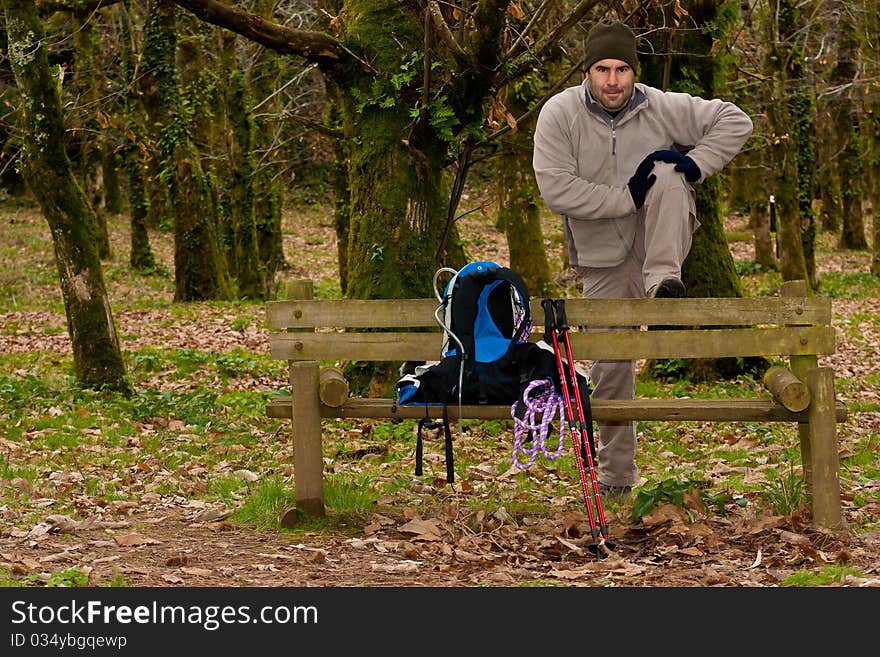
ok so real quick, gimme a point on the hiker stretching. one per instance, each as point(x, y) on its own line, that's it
point(617, 160)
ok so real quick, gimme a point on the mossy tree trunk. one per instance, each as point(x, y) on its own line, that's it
point(97, 357)
point(753, 197)
point(339, 180)
point(90, 133)
point(398, 189)
point(265, 81)
point(135, 160)
point(709, 269)
point(871, 122)
point(110, 165)
point(792, 117)
point(850, 168)
point(152, 69)
point(249, 271)
point(782, 69)
point(199, 267)
point(804, 132)
point(827, 171)
point(519, 209)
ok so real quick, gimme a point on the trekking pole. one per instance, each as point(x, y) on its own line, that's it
point(586, 430)
point(550, 326)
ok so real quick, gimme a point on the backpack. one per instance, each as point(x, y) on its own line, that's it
point(485, 314)
point(486, 357)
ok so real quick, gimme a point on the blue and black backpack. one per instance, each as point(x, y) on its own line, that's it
point(484, 311)
point(486, 356)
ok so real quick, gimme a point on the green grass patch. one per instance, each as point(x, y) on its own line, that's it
point(264, 507)
point(856, 285)
point(827, 576)
point(787, 492)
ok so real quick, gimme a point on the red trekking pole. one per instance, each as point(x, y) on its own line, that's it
point(586, 429)
point(550, 327)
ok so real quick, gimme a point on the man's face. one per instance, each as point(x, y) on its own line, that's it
point(611, 83)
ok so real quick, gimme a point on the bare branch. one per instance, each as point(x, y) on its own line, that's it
point(550, 92)
point(314, 125)
point(562, 28)
point(443, 30)
point(313, 46)
point(519, 43)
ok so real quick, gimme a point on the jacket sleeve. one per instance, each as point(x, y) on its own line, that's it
point(555, 164)
point(716, 129)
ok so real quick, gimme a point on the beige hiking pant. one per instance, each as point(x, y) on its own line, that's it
point(662, 242)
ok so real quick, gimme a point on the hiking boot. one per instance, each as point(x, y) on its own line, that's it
point(610, 493)
point(670, 287)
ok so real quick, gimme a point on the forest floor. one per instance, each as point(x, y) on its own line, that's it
point(161, 527)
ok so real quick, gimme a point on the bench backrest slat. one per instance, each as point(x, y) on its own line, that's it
point(399, 313)
point(586, 345)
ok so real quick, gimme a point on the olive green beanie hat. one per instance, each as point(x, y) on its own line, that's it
point(612, 40)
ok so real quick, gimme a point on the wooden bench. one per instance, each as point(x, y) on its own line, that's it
point(312, 336)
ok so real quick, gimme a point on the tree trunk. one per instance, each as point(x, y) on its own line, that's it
point(852, 235)
point(399, 193)
point(827, 172)
point(803, 114)
point(519, 214)
point(97, 357)
point(90, 133)
point(871, 123)
point(265, 79)
point(135, 161)
point(339, 181)
point(781, 24)
point(112, 184)
point(749, 185)
point(398, 209)
point(765, 249)
point(709, 269)
point(248, 271)
point(153, 93)
point(199, 268)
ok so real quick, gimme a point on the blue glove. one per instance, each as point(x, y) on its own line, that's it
point(683, 164)
point(641, 182)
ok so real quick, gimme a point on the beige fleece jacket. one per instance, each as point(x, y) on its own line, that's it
point(583, 158)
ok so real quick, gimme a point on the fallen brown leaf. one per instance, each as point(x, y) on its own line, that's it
point(133, 539)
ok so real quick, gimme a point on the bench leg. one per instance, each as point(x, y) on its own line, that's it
point(823, 455)
point(308, 453)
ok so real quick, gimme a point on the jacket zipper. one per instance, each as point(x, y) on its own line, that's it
point(613, 139)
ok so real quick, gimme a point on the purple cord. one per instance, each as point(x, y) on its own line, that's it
point(540, 411)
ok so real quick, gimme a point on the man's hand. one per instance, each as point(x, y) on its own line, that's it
point(683, 164)
point(641, 182)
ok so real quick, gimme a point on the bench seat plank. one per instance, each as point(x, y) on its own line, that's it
point(612, 345)
point(396, 313)
point(610, 410)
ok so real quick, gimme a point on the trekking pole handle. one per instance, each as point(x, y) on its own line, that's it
point(561, 317)
point(549, 317)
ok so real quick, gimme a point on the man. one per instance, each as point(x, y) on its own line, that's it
point(609, 157)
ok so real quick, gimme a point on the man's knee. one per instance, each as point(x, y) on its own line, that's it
point(667, 178)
